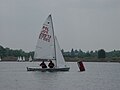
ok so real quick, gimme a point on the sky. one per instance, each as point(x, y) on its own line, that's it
point(79, 24)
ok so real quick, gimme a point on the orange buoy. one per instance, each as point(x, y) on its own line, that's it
point(81, 66)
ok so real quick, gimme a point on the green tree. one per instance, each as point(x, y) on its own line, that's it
point(72, 53)
point(2, 52)
point(80, 53)
point(62, 51)
point(101, 53)
point(87, 54)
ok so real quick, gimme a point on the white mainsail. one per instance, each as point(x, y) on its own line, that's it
point(45, 44)
point(30, 59)
point(23, 59)
point(20, 58)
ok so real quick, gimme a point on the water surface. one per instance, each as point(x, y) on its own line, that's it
point(98, 76)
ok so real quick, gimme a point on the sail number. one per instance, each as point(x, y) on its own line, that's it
point(44, 34)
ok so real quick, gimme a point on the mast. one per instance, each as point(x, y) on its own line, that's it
point(54, 40)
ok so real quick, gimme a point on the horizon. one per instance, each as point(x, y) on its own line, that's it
point(64, 50)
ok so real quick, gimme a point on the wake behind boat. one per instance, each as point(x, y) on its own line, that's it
point(48, 48)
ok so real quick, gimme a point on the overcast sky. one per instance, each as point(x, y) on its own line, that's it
point(79, 24)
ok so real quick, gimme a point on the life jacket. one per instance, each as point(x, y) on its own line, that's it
point(43, 65)
point(51, 65)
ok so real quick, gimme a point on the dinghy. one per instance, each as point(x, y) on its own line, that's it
point(30, 59)
point(48, 48)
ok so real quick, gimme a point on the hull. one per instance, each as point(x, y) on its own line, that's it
point(47, 69)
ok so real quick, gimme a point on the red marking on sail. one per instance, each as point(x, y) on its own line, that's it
point(44, 34)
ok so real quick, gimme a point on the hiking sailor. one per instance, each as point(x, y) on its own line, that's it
point(43, 65)
point(51, 64)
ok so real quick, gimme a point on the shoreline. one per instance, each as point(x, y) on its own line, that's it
point(66, 61)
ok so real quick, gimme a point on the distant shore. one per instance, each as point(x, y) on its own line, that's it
point(68, 59)
point(92, 59)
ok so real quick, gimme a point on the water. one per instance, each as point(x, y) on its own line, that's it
point(98, 76)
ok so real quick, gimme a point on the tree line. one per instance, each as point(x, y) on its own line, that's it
point(101, 53)
point(4, 52)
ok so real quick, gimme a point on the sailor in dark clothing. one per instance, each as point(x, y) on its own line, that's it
point(51, 64)
point(43, 65)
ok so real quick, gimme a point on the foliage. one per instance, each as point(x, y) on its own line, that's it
point(101, 53)
point(74, 53)
point(4, 52)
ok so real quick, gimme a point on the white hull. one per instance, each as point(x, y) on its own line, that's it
point(47, 69)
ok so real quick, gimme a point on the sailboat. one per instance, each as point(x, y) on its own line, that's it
point(19, 59)
point(48, 48)
point(23, 59)
point(30, 59)
point(0, 59)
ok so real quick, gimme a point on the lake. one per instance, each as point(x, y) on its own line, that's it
point(98, 76)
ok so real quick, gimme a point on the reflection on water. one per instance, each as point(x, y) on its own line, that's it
point(98, 76)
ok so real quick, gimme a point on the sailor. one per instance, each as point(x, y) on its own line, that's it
point(43, 65)
point(51, 64)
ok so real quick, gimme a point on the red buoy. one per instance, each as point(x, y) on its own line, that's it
point(81, 66)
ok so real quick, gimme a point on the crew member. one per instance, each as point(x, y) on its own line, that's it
point(51, 64)
point(43, 65)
